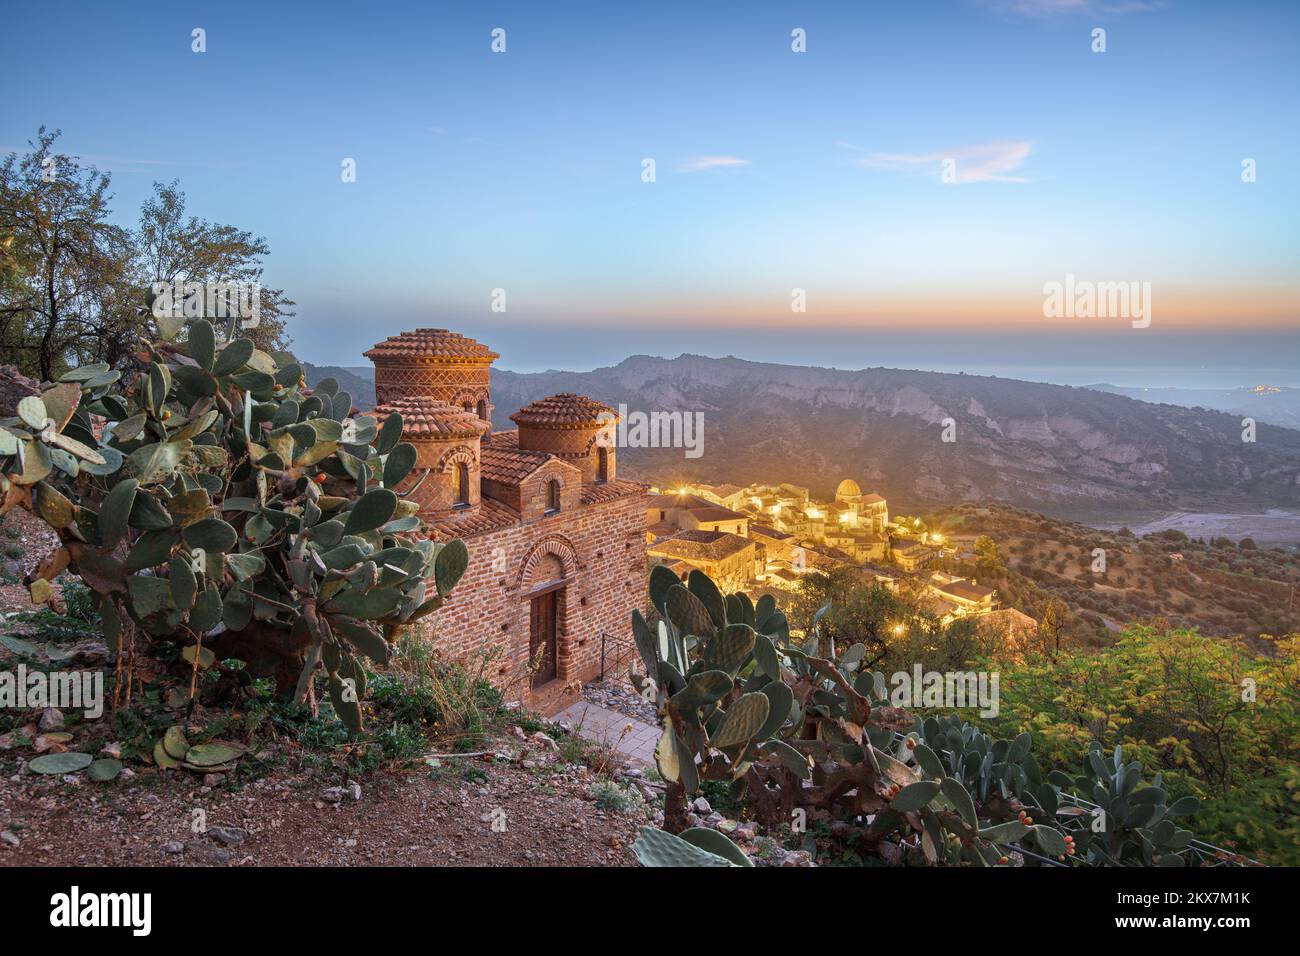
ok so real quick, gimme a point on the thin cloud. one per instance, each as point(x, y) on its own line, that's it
point(698, 164)
point(983, 163)
point(123, 164)
point(1052, 8)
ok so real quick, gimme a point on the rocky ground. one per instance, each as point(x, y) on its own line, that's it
point(520, 802)
point(519, 805)
point(618, 695)
point(25, 541)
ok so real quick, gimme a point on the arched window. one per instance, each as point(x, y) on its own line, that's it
point(483, 409)
point(602, 464)
point(552, 496)
point(460, 483)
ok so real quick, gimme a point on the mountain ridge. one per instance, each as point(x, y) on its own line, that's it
point(1053, 447)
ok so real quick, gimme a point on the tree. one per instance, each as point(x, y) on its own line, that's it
point(866, 614)
point(1052, 625)
point(989, 556)
point(1218, 719)
point(74, 287)
point(171, 248)
point(67, 268)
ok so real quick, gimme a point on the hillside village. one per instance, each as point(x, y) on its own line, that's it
point(767, 537)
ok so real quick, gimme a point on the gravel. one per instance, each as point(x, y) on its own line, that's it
point(618, 695)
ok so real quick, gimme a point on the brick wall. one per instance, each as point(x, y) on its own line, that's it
point(533, 492)
point(600, 548)
point(436, 493)
point(456, 384)
point(577, 446)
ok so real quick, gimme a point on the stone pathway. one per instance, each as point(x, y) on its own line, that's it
point(606, 726)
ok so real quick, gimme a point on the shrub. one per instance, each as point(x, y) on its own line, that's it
point(616, 798)
point(211, 500)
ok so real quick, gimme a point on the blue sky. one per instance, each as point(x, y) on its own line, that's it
point(775, 170)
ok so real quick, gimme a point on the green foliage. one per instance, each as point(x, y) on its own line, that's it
point(70, 278)
point(784, 729)
point(1216, 719)
point(1132, 823)
point(895, 628)
point(228, 484)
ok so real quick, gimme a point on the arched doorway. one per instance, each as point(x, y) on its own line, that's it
point(543, 583)
point(545, 607)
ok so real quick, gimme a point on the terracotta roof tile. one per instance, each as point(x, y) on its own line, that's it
point(610, 490)
point(966, 590)
point(707, 545)
point(427, 418)
point(490, 515)
point(716, 513)
point(566, 410)
point(501, 459)
point(433, 345)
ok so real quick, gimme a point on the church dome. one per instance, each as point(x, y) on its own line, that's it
point(431, 345)
point(848, 488)
point(566, 410)
point(572, 427)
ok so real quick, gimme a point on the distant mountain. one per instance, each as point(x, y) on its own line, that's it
point(1264, 403)
point(1052, 447)
point(358, 381)
point(1055, 448)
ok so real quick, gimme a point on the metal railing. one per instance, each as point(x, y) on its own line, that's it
point(615, 652)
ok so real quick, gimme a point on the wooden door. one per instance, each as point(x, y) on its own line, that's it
point(541, 643)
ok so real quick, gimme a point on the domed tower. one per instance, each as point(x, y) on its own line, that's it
point(574, 428)
point(447, 461)
point(848, 492)
point(437, 364)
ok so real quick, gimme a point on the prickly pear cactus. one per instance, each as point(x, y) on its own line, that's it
point(213, 500)
point(795, 734)
point(1132, 823)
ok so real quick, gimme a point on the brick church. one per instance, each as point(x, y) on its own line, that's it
point(555, 537)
